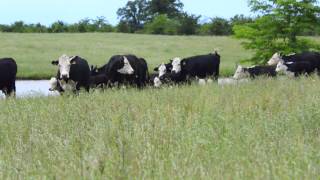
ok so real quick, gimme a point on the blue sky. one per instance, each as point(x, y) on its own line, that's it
point(70, 11)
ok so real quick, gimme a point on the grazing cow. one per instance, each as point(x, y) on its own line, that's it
point(164, 69)
point(201, 67)
point(312, 57)
point(254, 71)
point(294, 69)
point(73, 73)
point(129, 69)
point(8, 72)
point(55, 85)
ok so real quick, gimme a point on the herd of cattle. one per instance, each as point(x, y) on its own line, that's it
point(75, 73)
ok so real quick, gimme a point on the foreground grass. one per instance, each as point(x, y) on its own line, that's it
point(34, 52)
point(265, 129)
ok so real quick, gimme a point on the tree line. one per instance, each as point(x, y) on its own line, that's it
point(146, 17)
point(161, 24)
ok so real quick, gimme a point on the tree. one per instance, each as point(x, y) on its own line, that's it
point(278, 26)
point(162, 24)
point(172, 8)
point(134, 14)
point(220, 26)
point(188, 24)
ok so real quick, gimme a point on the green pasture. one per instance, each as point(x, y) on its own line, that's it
point(34, 52)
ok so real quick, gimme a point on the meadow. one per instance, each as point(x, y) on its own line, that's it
point(263, 129)
point(34, 52)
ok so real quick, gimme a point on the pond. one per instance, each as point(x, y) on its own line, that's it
point(37, 88)
point(30, 88)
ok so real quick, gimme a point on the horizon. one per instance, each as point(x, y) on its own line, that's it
point(46, 13)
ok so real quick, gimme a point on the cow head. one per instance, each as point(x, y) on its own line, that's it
point(177, 65)
point(281, 67)
point(275, 59)
point(64, 63)
point(126, 67)
point(240, 73)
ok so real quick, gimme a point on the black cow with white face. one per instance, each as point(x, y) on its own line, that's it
point(73, 73)
point(254, 71)
point(8, 72)
point(127, 69)
point(201, 67)
point(312, 57)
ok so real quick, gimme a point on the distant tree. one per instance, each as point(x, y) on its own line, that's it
point(58, 27)
point(134, 14)
point(172, 8)
point(278, 27)
point(18, 27)
point(188, 24)
point(162, 24)
point(240, 19)
point(220, 26)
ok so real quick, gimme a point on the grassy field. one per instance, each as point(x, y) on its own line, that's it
point(265, 129)
point(34, 52)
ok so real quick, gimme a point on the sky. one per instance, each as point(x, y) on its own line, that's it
point(71, 11)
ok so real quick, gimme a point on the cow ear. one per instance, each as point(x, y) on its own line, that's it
point(55, 62)
point(73, 60)
point(183, 63)
point(156, 69)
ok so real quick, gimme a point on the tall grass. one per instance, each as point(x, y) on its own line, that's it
point(34, 52)
point(265, 129)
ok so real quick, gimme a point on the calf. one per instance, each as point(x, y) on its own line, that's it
point(73, 73)
point(254, 71)
point(8, 72)
point(55, 85)
point(201, 67)
point(295, 69)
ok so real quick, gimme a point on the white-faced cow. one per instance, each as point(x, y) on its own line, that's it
point(202, 66)
point(127, 69)
point(8, 71)
point(312, 57)
point(294, 69)
point(254, 71)
point(73, 73)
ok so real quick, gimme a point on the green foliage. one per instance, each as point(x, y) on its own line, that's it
point(161, 24)
point(220, 26)
point(133, 15)
point(188, 24)
point(172, 8)
point(278, 27)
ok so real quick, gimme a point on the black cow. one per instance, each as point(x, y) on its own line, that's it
point(296, 68)
point(8, 72)
point(122, 69)
point(73, 73)
point(201, 67)
point(254, 71)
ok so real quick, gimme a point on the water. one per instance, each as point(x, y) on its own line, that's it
point(32, 89)
point(37, 88)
